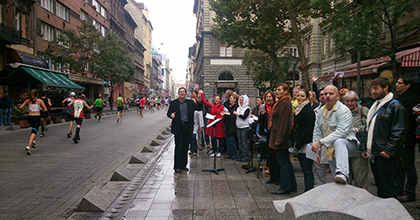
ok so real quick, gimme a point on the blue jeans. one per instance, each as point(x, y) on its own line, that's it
point(287, 177)
point(1, 116)
point(7, 115)
point(193, 147)
point(308, 174)
point(243, 143)
point(231, 146)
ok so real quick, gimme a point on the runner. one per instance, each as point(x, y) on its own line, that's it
point(166, 103)
point(142, 103)
point(138, 104)
point(99, 106)
point(120, 107)
point(34, 115)
point(45, 115)
point(162, 103)
point(153, 104)
point(77, 106)
point(148, 104)
point(65, 103)
point(158, 103)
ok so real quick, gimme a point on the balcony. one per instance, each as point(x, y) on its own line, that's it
point(10, 35)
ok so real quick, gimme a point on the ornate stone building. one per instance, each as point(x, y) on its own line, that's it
point(218, 66)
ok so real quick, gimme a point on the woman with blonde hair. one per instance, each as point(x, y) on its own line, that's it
point(313, 100)
point(34, 115)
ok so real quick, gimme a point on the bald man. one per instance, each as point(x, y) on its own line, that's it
point(334, 130)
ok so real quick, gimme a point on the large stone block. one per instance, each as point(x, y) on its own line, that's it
point(335, 201)
point(138, 158)
point(122, 174)
point(95, 201)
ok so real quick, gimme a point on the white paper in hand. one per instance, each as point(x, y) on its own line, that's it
point(310, 154)
point(214, 122)
point(209, 116)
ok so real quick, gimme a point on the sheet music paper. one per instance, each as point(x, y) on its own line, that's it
point(310, 154)
point(214, 122)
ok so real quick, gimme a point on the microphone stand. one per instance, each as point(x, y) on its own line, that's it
point(214, 170)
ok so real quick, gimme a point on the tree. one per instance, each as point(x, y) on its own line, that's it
point(86, 51)
point(359, 25)
point(261, 68)
point(113, 62)
point(299, 12)
point(73, 50)
point(255, 25)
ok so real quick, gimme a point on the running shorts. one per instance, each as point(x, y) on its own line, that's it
point(35, 122)
point(78, 121)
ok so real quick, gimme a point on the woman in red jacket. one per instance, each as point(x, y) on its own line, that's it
point(217, 131)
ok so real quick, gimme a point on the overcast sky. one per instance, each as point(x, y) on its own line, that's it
point(173, 24)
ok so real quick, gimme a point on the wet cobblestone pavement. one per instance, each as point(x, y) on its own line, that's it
point(195, 194)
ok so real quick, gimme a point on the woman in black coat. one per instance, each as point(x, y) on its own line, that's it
point(230, 127)
point(302, 131)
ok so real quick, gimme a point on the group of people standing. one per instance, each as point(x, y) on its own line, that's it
point(346, 136)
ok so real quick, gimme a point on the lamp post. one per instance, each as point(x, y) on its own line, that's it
point(294, 68)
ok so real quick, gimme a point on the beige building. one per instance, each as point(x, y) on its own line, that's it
point(143, 33)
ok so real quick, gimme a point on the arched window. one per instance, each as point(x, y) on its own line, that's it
point(225, 76)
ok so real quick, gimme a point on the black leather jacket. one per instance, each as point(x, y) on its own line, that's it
point(389, 130)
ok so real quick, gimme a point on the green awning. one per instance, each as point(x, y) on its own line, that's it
point(53, 81)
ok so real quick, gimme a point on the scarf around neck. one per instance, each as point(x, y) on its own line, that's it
point(299, 107)
point(371, 119)
point(270, 120)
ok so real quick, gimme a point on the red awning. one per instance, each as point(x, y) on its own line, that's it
point(411, 58)
point(408, 58)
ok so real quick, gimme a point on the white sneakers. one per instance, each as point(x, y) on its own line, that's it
point(340, 178)
point(28, 150)
point(217, 155)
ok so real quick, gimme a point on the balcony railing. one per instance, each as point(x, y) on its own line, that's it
point(10, 34)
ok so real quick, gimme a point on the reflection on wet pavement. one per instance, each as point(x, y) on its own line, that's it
point(232, 194)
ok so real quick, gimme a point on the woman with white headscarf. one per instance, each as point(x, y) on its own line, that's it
point(242, 123)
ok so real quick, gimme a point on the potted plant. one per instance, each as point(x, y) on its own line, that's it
point(20, 117)
point(55, 116)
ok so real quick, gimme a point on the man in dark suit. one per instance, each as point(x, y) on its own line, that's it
point(181, 111)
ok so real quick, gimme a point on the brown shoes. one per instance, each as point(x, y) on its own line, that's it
point(406, 198)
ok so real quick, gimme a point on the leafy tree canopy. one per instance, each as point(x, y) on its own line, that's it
point(253, 24)
point(261, 69)
point(106, 57)
point(360, 25)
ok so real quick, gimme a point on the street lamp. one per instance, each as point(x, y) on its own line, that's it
point(294, 68)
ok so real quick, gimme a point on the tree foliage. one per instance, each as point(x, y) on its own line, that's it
point(73, 49)
point(258, 25)
point(360, 25)
point(86, 51)
point(261, 69)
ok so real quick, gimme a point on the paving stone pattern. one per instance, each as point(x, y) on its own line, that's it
point(232, 194)
point(50, 183)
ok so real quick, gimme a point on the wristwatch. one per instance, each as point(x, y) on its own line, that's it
point(321, 144)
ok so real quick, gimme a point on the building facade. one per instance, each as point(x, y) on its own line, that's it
point(218, 66)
